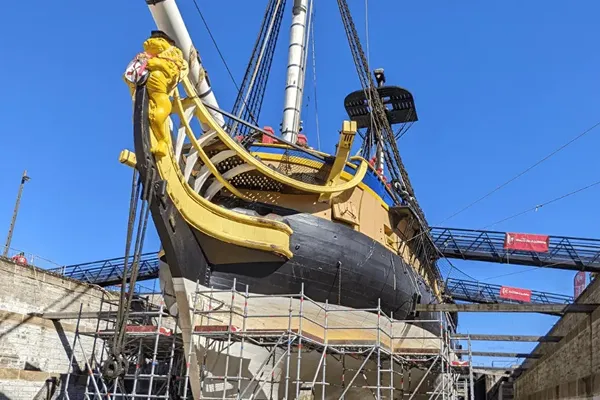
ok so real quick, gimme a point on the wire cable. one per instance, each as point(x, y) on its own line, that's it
point(582, 134)
point(585, 132)
point(367, 31)
point(537, 207)
point(534, 208)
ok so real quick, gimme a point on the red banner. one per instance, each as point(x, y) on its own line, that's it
point(456, 363)
point(517, 294)
point(579, 283)
point(526, 242)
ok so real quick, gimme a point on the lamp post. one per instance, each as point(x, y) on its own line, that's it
point(24, 179)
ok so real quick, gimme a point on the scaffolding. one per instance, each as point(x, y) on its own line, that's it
point(250, 346)
point(152, 345)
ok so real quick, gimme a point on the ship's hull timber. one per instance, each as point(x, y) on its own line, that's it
point(334, 262)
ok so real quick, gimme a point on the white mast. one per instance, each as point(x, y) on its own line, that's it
point(295, 72)
point(168, 19)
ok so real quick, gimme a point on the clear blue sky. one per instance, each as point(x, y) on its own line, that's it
point(497, 85)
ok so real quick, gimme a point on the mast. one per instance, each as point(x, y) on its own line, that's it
point(168, 19)
point(295, 72)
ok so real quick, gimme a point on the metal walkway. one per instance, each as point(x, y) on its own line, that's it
point(563, 253)
point(110, 271)
point(479, 292)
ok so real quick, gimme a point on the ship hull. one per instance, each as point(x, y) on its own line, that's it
point(331, 262)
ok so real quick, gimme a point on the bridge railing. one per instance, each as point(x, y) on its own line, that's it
point(481, 292)
point(563, 252)
point(110, 271)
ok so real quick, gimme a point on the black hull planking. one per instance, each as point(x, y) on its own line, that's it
point(334, 263)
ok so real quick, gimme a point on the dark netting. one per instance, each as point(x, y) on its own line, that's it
point(297, 163)
point(255, 181)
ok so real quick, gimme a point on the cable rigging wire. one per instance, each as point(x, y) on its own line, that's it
point(250, 96)
point(534, 208)
point(219, 51)
point(537, 207)
point(582, 134)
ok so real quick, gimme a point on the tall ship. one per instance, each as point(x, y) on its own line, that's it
point(235, 201)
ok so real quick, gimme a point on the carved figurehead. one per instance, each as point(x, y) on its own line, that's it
point(162, 67)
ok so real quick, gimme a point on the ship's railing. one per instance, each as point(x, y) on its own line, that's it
point(563, 252)
point(480, 292)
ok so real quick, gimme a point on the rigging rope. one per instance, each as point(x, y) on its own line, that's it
point(534, 208)
point(249, 100)
point(367, 31)
point(553, 153)
point(216, 45)
point(117, 363)
point(314, 67)
point(135, 193)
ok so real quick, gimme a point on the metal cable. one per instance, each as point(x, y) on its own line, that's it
point(514, 178)
point(135, 193)
point(216, 45)
point(537, 207)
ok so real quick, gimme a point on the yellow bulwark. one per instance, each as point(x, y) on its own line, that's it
point(343, 149)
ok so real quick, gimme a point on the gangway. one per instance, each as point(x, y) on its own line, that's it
point(110, 271)
point(570, 253)
point(487, 293)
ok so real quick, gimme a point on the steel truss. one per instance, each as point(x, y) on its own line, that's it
point(481, 292)
point(563, 252)
point(110, 271)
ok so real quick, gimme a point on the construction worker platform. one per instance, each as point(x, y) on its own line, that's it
point(233, 315)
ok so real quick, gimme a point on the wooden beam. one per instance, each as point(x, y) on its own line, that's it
point(497, 370)
point(508, 338)
point(498, 354)
point(522, 308)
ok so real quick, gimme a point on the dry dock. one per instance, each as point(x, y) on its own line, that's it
point(38, 354)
